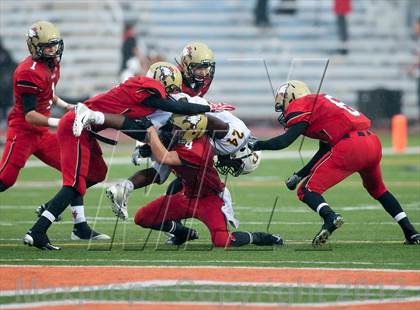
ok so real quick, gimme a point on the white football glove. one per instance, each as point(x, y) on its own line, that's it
point(118, 194)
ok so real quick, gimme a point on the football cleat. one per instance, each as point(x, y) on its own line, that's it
point(277, 240)
point(414, 239)
point(327, 229)
point(82, 231)
point(83, 118)
point(39, 240)
point(192, 234)
point(118, 194)
point(42, 208)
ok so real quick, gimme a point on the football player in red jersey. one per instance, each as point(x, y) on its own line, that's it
point(190, 155)
point(197, 67)
point(124, 107)
point(347, 145)
point(34, 82)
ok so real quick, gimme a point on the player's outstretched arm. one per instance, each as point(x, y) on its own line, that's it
point(186, 108)
point(282, 141)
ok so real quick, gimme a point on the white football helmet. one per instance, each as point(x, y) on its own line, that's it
point(244, 161)
point(251, 159)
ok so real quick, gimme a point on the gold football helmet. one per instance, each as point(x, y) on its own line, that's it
point(287, 93)
point(189, 127)
point(194, 56)
point(168, 74)
point(42, 35)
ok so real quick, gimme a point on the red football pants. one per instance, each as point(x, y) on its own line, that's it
point(177, 207)
point(20, 145)
point(359, 152)
point(81, 158)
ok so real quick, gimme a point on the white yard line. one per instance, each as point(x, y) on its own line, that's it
point(137, 285)
point(194, 262)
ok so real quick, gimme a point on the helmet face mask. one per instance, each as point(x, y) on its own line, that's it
point(168, 74)
point(44, 42)
point(244, 161)
point(197, 63)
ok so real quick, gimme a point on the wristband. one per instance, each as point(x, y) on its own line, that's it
point(53, 122)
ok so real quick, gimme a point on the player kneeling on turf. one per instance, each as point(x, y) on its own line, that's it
point(204, 197)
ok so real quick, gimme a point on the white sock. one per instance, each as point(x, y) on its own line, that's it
point(99, 118)
point(48, 215)
point(128, 185)
point(78, 214)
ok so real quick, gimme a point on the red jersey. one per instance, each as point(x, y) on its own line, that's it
point(329, 120)
point(199, 177)
point(126, 98)
point(33, 77)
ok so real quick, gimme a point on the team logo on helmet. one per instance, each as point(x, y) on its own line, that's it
point(193, 121)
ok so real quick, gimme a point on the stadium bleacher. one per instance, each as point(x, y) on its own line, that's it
point(295, 46)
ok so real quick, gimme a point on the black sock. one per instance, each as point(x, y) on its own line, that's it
point(393, 207)
point(41, 225)
point(77, 201)
point(2, 187)
point(317, 203)
point(173, 227)
point(55, 206)
point(261, 238)
point(241, 238)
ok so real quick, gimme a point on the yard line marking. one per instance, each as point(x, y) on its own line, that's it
point(230, 267)
point(88, 304)
point(136, 285)
point(21, 278)
point(192, 262)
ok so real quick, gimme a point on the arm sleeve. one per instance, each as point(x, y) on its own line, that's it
point(29, 102)
point(324, 148)
point(283, 141)
point(176, 107)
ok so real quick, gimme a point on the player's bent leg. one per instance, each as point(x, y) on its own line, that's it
point(393, 207)
point(373, 183)
point(37, 235)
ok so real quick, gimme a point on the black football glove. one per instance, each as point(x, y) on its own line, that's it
point(293, 181)
point(253, 144)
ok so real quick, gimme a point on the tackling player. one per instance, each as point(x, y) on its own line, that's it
point(204, 197)
point(347, 145)
point(125, 107)
point(197, 67)
point(34, 82)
